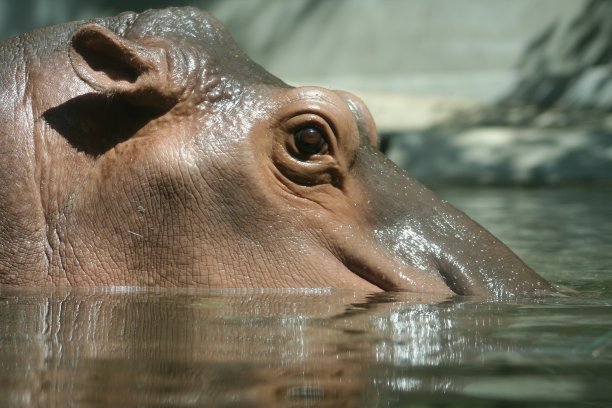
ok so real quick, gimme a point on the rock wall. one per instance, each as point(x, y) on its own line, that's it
point(569, 65)
point(552, 127)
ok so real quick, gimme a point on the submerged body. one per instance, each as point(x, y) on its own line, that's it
point(149, 150)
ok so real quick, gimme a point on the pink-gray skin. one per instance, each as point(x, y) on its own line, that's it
point(149, 150)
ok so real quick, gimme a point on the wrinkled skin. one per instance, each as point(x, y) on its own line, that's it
point(147, 149)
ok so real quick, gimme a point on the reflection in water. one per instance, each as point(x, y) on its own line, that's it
point(268, 348)
point(184, 348)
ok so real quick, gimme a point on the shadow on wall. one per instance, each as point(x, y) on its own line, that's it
point(554, 127)
point(568, 65)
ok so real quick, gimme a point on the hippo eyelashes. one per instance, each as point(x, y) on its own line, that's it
point(309, 140)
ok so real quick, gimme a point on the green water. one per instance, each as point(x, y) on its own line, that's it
point(336, 348)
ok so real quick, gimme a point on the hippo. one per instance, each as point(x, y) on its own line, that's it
point(148, 150)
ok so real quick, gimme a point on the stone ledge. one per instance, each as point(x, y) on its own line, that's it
point(503, 155)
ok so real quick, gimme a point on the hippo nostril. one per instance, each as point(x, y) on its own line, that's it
point(456, 277)
point(453, 284)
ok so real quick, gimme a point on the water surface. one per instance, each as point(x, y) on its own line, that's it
point(336, 348)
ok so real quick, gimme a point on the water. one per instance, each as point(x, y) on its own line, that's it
point(336, 348)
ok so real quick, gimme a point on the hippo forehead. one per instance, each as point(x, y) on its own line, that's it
point(195, 31)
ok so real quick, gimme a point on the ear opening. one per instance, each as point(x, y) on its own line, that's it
point(114, 65)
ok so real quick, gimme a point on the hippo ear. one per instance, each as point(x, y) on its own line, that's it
point(113, 65)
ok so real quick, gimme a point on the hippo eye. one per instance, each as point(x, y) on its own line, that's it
point(310, 140)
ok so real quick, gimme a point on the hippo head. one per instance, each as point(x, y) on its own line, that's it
point(168, 158)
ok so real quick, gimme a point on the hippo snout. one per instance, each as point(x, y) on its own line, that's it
point(438, 241)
